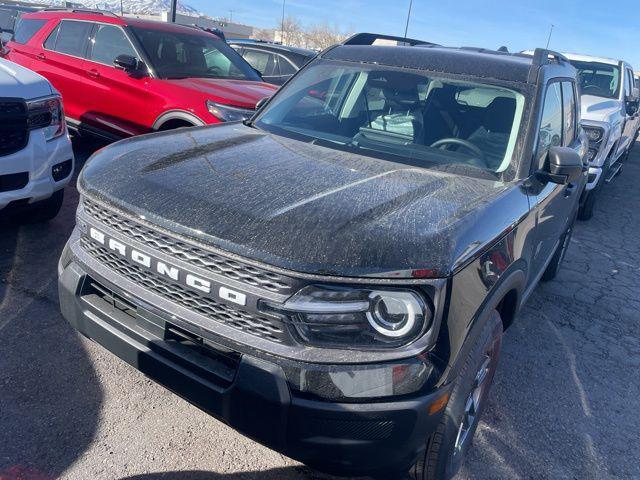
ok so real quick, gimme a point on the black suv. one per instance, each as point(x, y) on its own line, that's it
point(333, 277)
point(276, 63)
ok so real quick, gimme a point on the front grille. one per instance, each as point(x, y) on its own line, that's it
point(189, 253)
point(255, 325)
point(14, 126)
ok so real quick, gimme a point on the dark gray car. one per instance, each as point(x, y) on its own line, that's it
point(276, 63)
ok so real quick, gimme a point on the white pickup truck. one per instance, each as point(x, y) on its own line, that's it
point(36, 158)
point(610, 117)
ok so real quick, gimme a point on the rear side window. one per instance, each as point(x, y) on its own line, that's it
point(109, 43)
point(26, 29)
point(285, 67)
point(70, 37)
point(262, 61)
point(551, 127)
point(569, 104)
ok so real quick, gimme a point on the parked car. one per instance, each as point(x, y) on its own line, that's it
point(123, 76)
point(9, 15)
point(610, 116)
point(276, 63)
point(335, 279)
point(36, 158)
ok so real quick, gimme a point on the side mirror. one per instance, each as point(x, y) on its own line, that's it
point(565, 165)
point(5, 37)
point(262, 102)
point(127, 63)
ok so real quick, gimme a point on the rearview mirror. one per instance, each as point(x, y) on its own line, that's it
point(127, 63)
point(565, 165)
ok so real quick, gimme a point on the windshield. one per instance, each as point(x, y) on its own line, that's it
point(599, 79)
point(183, 55)
point(384, 112)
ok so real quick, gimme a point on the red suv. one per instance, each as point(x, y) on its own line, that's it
point(122, 76)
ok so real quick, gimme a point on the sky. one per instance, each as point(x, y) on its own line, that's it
point(602, 28)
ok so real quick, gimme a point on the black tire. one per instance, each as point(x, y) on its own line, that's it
point(586, 209)
point(554, 266)
point(444, 453)
point(42, 211)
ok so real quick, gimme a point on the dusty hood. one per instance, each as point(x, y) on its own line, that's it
point(599, 109)
point(299, 206)
point(19, 82)
point(240, 93)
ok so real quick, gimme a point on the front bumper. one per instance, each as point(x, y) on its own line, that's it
point(368, 438)
point(37, 160)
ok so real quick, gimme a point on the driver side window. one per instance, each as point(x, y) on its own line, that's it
point(550, 133)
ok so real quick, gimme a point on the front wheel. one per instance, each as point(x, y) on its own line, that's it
point(448, 446)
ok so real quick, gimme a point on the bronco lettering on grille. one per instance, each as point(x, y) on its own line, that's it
point(161, 268)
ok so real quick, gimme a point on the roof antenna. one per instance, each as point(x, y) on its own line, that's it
point(503, 49)
point(550, 33)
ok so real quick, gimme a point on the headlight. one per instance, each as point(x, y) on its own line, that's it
point(595, 134)
point(226, 113)
point(47, 114)
point(340, 317)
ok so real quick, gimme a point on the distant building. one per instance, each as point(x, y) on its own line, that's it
point(231, 30)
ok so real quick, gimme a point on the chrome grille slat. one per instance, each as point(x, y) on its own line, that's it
point(236, 318)
point(192, 254)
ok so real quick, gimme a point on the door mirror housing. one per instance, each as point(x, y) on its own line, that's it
point(129, 64)
point(5, 37)
point(564, 165)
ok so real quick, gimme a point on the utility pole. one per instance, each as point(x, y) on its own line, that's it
point(550, 33)
point(230, 16)
point(282, 24)
point(121, 9)
point(406, 29)
point(173, 10)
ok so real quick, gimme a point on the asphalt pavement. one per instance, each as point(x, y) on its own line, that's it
point(564, 404)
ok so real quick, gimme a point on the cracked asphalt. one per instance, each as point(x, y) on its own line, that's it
point(564, 404)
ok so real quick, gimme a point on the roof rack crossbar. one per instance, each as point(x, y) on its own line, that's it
point(79, 10)
point(370, 38)
point(542, 57)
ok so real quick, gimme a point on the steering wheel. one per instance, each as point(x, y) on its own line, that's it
point(461, 143)
point(590, 87)
point(214, 69)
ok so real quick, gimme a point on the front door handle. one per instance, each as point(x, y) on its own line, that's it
point(93, 73)
point(568, 191)
point(41, 56)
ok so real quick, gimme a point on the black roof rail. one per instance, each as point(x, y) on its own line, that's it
point(79, 10)
point(542, 57)
point(370, 38)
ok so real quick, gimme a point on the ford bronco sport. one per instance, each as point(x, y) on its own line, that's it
point(123, 76)
point(333, 277)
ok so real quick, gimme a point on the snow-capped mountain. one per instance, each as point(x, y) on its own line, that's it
point(138, 7)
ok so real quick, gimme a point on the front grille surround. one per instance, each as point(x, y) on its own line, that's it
point(189, 252)
point(259, 326)
point(14, 126)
